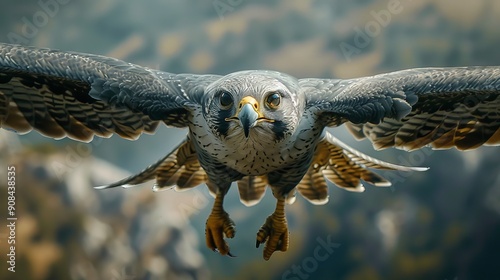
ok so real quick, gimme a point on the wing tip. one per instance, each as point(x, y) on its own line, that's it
point(322, 201)
point(158, 188)
point(359, 188)
point(104, 187)
point(419, 168)
point(383, 184)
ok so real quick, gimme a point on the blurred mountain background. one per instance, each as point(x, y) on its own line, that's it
point(439, 224)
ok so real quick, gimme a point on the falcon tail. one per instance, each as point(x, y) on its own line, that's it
point(336, 162)
point(252, 189)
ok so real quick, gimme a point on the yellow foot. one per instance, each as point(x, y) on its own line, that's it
point(217, 226)
point(274, 232)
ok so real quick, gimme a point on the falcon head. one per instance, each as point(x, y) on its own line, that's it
point(256, 105)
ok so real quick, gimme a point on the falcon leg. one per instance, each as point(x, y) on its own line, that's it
point(274, 231)
point(217, 225)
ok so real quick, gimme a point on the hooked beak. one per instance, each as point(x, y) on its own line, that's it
point(248, 114)
point(248, 118)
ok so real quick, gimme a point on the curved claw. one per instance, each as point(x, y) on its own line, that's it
point(228, 253)
point(219, 225)
point(274, 232)
point(231, 255)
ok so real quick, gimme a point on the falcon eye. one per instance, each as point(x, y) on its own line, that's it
point(225, 99)
point(273, 100)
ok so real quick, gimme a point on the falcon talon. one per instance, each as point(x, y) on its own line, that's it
point(257, 128)
point(217, 226)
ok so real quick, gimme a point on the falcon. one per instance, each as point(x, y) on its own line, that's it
point(256, 128)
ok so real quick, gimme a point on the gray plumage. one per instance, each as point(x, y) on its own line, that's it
point(257, 128)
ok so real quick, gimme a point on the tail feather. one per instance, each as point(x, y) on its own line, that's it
point(252, 189)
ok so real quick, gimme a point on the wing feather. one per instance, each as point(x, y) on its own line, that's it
point(180, 169)
point(336, 162)
point(410, 109)
point(66, 94)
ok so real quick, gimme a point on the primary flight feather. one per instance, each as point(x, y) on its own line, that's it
point(257, 128)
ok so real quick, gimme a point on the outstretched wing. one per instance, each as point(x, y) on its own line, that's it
point(441, 107)
point(66, 94)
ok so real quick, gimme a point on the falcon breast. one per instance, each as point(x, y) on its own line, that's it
point(256, 128)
